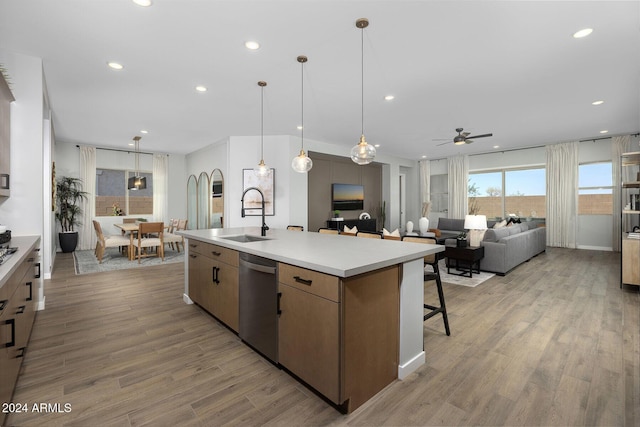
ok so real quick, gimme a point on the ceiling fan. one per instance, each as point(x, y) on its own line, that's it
point(464, 138)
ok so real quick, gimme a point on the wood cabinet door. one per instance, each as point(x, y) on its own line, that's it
point(309, 339)
point(631, 261)
point(201, 280)
point(225, 295)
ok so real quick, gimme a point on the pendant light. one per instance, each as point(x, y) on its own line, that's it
point(137, 182)
point(261, 169)
point(362, 153)
point(302, 163)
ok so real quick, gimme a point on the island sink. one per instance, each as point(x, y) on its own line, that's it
point(245, 238)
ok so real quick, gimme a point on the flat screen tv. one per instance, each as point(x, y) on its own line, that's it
point(347, 197)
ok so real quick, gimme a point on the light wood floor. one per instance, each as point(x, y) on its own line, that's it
point(555, 342)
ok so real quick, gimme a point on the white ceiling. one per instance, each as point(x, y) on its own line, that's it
point(507, 67)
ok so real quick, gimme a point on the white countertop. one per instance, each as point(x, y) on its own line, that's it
point(25, 245)
point(341, 256)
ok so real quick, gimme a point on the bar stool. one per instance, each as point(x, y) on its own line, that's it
point(432, 260)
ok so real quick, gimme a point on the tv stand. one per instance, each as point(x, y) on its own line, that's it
point(362, 224)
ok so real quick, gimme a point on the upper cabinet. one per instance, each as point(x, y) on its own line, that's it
point(6, 98)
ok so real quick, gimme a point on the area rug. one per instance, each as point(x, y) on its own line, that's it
point(86, 262)
point(472, 282)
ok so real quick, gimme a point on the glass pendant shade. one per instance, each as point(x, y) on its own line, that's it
point(261, 169)
point(363, 153)
point(302, 163)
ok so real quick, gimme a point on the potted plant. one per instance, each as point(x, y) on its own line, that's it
point(461, 240)
point(69, 195)
point(336, 214)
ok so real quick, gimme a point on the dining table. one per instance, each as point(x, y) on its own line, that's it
point(131, 228)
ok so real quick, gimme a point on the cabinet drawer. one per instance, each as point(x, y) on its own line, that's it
point(320, 284)
point(228, 256)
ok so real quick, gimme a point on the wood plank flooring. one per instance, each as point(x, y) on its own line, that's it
point(555, 342)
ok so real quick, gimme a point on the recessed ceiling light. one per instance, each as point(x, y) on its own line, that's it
point(115, 65)
point(252, 45)
point(299, 127)
point(201, 88)
point(597, 103)
point(604, 131)
point(144, 131)
point(376, 145)
point(424, 157)
point(582, 33)
point(143, 3)
point(131, 144)
point(389, 97)
point(496, 146)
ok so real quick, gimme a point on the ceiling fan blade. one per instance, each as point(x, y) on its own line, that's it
point(441, 139)
point(468, 141)
point(466, 134)
point(444, 143)
point(481, 136)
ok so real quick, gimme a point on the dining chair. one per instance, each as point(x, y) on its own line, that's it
point(155, 233)
point(369, 235)
point(295, 227)
point(432, 260)
point(170, 238)
point(115, 241)
point(390, 237)
point(328, 231)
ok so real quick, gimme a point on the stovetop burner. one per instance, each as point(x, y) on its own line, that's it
point(6, 252)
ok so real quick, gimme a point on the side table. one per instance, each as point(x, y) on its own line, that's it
point(465, 259)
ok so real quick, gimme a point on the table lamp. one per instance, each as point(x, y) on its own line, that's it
point(476, 224)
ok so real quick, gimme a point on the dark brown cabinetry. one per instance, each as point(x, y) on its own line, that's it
point(17, 312)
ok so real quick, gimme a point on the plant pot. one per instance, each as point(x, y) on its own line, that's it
point(68, 241)
point(461, 243)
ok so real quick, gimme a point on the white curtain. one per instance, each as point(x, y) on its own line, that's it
point(619, 145)
point(425, 185)
point(458, 186)
point(160, 187)
point(562, 194)
point(86, 234)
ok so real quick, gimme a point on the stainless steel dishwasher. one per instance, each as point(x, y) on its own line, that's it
point(259, 304)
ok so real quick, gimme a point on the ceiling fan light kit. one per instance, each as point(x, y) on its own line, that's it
point(464, 138)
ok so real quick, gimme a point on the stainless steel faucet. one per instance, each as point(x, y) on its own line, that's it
point(264, 224)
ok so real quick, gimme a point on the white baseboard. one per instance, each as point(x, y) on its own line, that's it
point(186, 299)
point(413, 364)
point(40, 305)
point(595, 248)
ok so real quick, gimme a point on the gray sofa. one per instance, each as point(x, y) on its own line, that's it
point(504, 248)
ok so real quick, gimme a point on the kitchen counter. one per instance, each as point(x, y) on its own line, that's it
point(345, 257)
point(340, 256)
point(25, 245)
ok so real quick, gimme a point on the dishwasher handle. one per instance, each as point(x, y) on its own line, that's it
point(257, 267)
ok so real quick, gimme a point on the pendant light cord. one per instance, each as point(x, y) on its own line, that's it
point(362, 76)
point(302, 106)
point(261, 123)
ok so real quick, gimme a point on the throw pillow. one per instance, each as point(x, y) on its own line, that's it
point(435, 231)
point(500, 224)
point(350, 230)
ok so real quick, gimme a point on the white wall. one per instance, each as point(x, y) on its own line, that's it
point(23, 211)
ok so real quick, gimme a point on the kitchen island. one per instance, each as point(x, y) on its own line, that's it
point(350, 310)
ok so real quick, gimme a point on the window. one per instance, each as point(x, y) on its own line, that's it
point(112, 193)
point(439, 193)
point(595, 189)
point(497, 194)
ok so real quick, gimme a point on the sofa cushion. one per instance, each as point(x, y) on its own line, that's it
point(451, 224)
point(495, 234)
